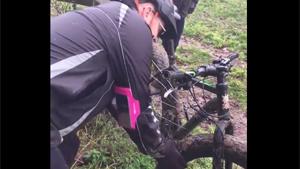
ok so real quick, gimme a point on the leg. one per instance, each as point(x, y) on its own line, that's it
point(69, 147)
point(180, 26)
point(57, 159)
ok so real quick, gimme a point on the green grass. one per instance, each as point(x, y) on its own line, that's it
point(107, 146)
point(199, 130)
point(59, 7)
point(203, 163)
point(192, 56)
point(221, 23)
point(237, 86)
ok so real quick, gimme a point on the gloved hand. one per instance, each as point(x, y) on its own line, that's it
point(173, 159)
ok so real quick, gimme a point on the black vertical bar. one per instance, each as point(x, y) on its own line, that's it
point(222, 96)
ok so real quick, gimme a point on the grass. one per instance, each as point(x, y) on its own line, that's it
point(203, 163)
point(59, 7)
point(107, 146)
point(237, 86)
point(199, 130)
point(220, 23)
point(192, 56)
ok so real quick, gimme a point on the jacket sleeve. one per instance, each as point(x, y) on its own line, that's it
point(132, 71)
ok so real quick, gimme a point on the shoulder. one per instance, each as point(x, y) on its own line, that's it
point(135, 26)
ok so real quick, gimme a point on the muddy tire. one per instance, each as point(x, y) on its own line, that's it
point(201, 146)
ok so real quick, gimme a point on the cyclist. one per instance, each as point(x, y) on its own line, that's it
point(100, 58)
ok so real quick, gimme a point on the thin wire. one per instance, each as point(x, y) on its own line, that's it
point(171, 122)
point(161, 72)
point(165, 88)
point(168, 104)
point(193, 95)
point(198, 80)
point(203, 110)
point(203, 95)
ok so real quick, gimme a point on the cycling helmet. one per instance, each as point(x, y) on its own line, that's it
point(168, 13)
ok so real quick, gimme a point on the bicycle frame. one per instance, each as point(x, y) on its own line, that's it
point(219, 69)
point(222, 105)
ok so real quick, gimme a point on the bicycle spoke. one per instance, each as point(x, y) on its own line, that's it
point(161, 72)
point(171, 122)
point(168, 104)
point(177, 101)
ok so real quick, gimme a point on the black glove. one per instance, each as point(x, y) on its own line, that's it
point(172, 158)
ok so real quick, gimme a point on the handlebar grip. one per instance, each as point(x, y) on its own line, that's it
point(174, 74)
point(208, 70)
point(201, 71)
point(233, 56)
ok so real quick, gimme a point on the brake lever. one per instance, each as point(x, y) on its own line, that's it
point(225, 61)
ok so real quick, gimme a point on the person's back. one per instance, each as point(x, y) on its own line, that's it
point(99, 56)
point(86, 67)
point(101, 31)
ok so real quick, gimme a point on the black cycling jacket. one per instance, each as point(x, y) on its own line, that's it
point(95, 53)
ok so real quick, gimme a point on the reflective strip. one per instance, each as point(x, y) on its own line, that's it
point(70, 62)
point(123, 11)
point(157, 131)
point(155, 119)
point(69, 129)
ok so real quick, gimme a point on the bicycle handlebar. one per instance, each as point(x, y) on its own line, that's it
point(206, 70)
point(174, 74)
point(217, 66)
point(229, 59)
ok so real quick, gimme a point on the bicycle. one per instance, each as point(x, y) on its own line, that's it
point(219, 145)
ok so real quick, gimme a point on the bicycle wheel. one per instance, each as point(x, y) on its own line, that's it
point(201, 146)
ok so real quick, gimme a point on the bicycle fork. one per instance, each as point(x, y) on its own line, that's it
point(223, 125)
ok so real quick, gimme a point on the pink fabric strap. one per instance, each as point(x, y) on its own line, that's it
point(133, 104)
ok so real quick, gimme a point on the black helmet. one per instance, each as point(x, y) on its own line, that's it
point(168, 13)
